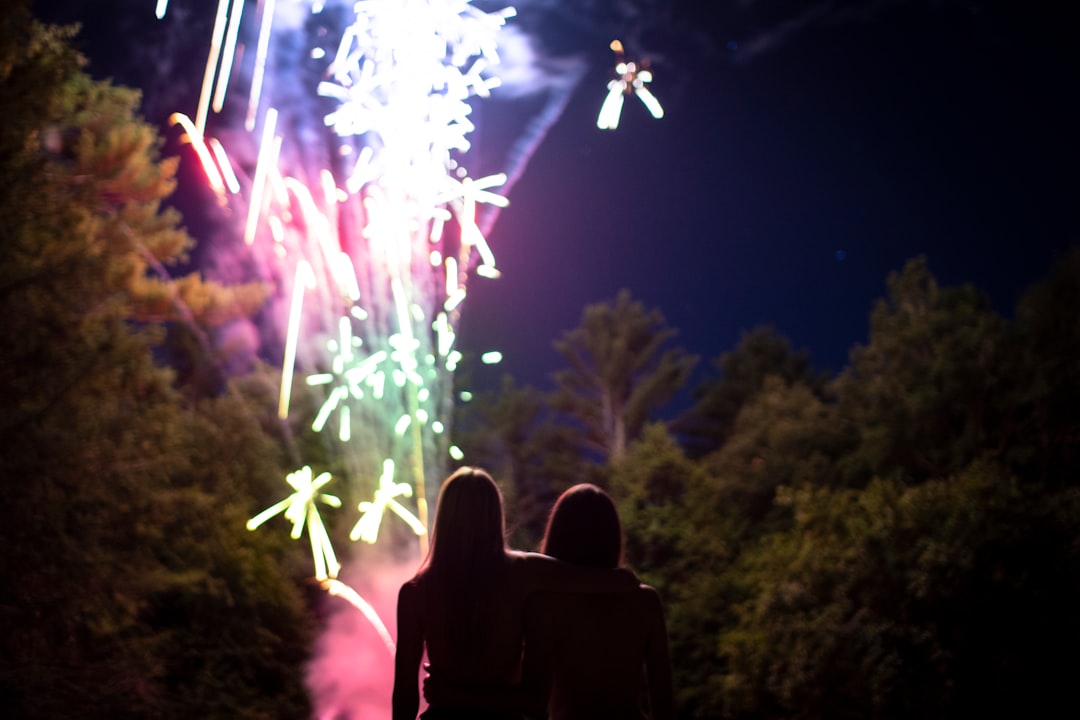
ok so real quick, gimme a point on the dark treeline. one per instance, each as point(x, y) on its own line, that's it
point(899, 540)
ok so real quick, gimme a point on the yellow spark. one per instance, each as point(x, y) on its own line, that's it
point(305, 280)
point(343, 591)
point(367, 528)
point(300, 509)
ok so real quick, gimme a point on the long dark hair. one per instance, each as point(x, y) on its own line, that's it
point(584, 528)
point(470, 530)
point(468, 550)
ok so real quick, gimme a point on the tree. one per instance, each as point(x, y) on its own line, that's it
point(1044, 417)
point(741, 373)
point(620, 373)
point(655, 486)
point(893, 602)
point(131, 588)
point(925, 391)
point(512, 434)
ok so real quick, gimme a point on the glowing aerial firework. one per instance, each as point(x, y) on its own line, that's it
point(336, 135)
point(367, 528)
point(631, 78)
point(353, 184)
point(300, 509)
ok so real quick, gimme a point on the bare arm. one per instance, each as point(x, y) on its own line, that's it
point(658, 661)
point(410, 650)
point(544, 573)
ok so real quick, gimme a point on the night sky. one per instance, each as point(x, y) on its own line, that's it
point(808, 150)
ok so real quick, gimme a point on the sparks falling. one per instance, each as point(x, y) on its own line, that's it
point(374, 242)
point(630, 79)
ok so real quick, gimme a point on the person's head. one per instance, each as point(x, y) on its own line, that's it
point(584, 529)
point(469, 524)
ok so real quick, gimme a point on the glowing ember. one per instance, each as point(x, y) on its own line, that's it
point(630, 79)
point(300, 509)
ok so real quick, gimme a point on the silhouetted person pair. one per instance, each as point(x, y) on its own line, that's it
point(592, 638)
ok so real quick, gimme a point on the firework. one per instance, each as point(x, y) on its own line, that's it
point(374, 232)
point(300, 508)
point(351, 188)
point(630, 79)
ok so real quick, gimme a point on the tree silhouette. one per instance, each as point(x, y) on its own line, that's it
point(620, 373)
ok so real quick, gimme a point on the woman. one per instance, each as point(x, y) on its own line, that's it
point(590, 651)
point(466, 605)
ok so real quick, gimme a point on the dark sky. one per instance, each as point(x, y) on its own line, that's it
point(809, 149)
point(814, 150)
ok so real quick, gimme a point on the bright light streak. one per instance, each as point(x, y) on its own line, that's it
point(631, 80)
point(651, 103)
point(371, 513)
point(162, 6)
point(491, 358)
point(269, 149)
point(305, 280)
point(227, 173)
point(402, 81)
point(451, 275)
point(211, 65)
point(454, 300)
point(229, 54)
point(444, 334)
point(260, 64)
point(301, 510)
point(319, 225)
point(612, 107)
point(345, 376)
point(343, 591)
point(206, 158)
point(399, 225)
point(455, 452)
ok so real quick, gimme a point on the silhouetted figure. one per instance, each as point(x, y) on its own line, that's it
point(466, 606)
point(601, 655)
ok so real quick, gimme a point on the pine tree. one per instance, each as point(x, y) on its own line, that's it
point(620, 373)
point(131, 588)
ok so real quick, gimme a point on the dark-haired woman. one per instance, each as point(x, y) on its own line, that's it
point(465, 606)
point(599, 655)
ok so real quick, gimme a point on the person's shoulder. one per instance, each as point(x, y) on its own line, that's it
point(649, 597)
point(526, 570)
point(414, 585)
point(524, 561)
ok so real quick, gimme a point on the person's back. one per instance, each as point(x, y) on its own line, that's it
point(485, 648)
point(596, 648)
point(466, 606)
point(601, 655)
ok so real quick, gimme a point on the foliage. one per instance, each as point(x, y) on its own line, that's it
point(897, 543)
point(925, 391)
point(619, 374)
point(897, 602)
point(1044, 411)
point(513, 434)
point(761, 353)
point(132, 588)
